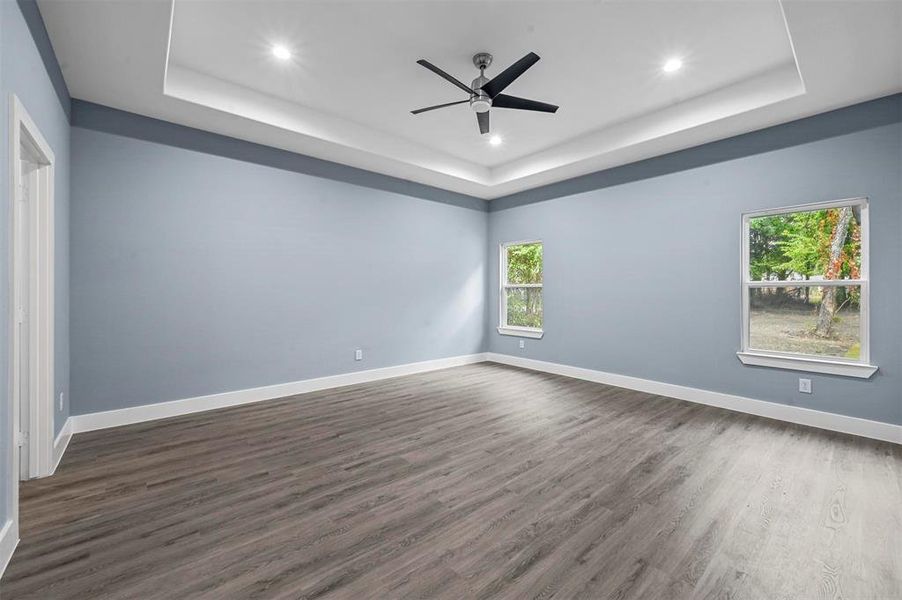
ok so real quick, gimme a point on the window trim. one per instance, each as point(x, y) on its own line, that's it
point(503, 327)
point(805, 362)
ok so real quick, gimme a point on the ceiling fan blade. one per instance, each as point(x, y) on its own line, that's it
point(508, 75)
point(505, 101)
point(428, 108)
point(444, 75)
point(483, 119)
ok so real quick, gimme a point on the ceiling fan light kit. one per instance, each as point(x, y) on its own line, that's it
point(486, 93)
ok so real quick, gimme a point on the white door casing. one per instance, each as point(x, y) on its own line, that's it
point(31, 306)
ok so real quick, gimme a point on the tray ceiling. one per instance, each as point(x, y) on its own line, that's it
point(346, 92)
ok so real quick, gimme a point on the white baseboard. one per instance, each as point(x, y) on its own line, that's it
point(60, 444)
point(773, 410)
point(803, 416)
point(174, 408)
point(9, 539)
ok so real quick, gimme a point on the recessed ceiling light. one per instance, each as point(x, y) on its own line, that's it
point(495, 140)
point(674, 64)
point(281, 52)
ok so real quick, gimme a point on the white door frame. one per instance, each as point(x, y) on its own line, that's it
point(40, 310)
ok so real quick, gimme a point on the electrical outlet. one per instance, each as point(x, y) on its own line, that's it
point(62, 397)
point(805, 386)
point(522, 343)
point(358, 354)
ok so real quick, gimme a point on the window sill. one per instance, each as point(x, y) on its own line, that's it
point(526, 332)
point(813, 365)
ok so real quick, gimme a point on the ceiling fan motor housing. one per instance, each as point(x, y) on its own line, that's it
point(481, 102)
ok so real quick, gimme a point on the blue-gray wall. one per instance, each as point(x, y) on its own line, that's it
point(194, 274)
point(24, 47)
point(641, 275)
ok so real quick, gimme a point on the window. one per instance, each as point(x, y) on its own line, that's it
point(521, 289)
point(805, 288)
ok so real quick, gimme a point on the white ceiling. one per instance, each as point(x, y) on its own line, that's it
point(347, 92)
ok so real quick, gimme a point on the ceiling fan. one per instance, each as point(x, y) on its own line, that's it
point(485, 93)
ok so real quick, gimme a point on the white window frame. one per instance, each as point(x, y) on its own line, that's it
point(802, 362)
point(503, 327)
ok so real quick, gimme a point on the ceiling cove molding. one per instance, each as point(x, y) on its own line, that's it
point(89, 115)
point(317, 127)
point(859, 117)
point(35, 22)
point(623, 142)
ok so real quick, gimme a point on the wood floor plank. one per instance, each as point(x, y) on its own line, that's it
point(482, 481)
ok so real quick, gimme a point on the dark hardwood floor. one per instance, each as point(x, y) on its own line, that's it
point(475, 482)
